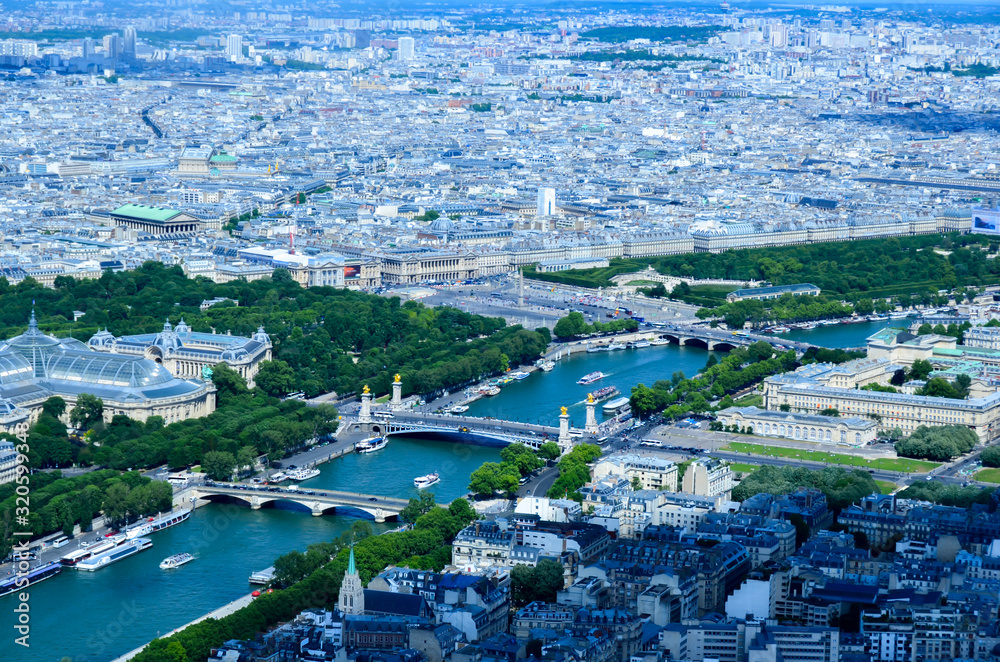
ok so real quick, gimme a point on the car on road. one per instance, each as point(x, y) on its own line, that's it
point(372, 499)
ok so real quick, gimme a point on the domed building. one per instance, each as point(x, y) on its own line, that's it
point(186, 353)
point(35, 367)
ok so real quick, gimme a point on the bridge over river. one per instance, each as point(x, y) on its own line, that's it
point(488, 431)
point(317, 502)
point(723, 340)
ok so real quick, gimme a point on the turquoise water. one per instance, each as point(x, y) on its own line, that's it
point(538, 398)
point(97, 616)
point(842, 335)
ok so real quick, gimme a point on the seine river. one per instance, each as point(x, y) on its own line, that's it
point(94, 617)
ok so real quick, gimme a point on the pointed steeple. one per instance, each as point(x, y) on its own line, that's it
point(32, 323)
point(352, 591)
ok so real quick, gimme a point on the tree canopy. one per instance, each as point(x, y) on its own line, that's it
point(939, 443)
point(840, 486)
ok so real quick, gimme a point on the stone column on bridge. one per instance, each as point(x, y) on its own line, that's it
point(565, 442)
point(397, 394)
point(591, 426)
point(365, 416)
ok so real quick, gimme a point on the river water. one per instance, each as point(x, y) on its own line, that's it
point(842, 335)
point(94, 617)
point(537, 399)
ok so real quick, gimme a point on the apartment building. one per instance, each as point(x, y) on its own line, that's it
point(708, 477)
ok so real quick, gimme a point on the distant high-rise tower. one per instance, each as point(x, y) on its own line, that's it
point(112, 45)
point(406, 48)
point(352, 592)
point(546, 201)
point(234, 47)
point(128, 42)
point(362, 38)
point(89, 47)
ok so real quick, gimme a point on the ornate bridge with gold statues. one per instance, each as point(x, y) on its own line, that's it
point(491, 431)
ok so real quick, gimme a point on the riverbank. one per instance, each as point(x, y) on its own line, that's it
point(224, 610)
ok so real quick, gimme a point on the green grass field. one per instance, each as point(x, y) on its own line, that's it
point(988, 475)
point(886, 486)
point(739, 467)
point(902, 464)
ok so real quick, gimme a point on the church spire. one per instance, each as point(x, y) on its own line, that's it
point(352, 592)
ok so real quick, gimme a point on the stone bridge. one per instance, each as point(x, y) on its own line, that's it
point(723, 340)
point(493, 432)
point(317, 502)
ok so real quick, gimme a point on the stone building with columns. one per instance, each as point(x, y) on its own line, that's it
point(186, 353)
point(155, 220)
point(35, 367)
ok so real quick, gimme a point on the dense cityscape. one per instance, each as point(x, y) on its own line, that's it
point(617, 332)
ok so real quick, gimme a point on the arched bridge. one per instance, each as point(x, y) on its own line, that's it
point(463, 428)
point(318, 502)
point(723, 340)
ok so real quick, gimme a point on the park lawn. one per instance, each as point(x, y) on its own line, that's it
point(886, 486)
point(713, 291)
point(988, 475)
point(904, 465)
point(739, 467)
point(750, 400)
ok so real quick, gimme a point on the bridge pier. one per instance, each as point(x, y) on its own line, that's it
point(365, 415)
point(565, 441)
point(591, 426)
point(397, 394)
point(379, 516)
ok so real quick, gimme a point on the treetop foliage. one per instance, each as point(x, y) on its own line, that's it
point(938, 443)
point(841, 487)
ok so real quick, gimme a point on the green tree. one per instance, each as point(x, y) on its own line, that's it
point(88, 411)
point(275, 378)
point(572, 325)
point(990, 456)
point(246, 458)
point(115, 504)
point(54, 406)
point(920, 369)
point(219, 465)
point(938, 387)
point(549, 451)
point(540, 583)
point(419, 505)
point(228, 383)
point(636, 483)
point(938, 443)
point(522, 457)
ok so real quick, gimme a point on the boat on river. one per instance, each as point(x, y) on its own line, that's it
point(604, 393)
point(120, 552)
point(175, 561)
point(590, 378)
point(16, 583)
point(302, 474)
point(371, 444)
point(421, 482)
